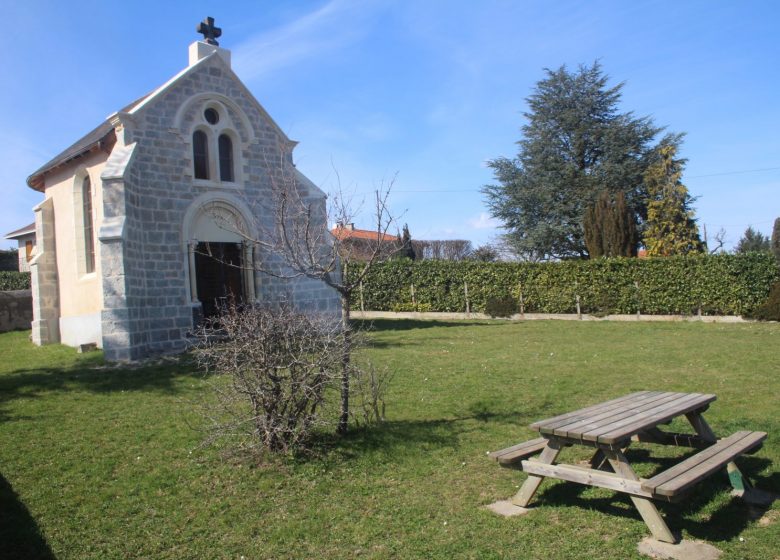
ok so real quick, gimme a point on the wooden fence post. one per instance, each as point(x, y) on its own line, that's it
point(414, 301)
point(638, 300)
point(522, 302)
point(579, 312)
point(466, 291)
point(362, 305)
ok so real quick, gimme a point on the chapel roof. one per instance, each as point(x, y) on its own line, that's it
point(21, 232)
point(101, 137)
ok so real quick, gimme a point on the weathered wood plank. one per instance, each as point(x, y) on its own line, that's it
point(644, 506)
point(531, 484)
point(516, 453)
point(623, 429)
point(594, 422)
point(654, 435)
point(684, 475)
point(591, 477)
point(555, 420)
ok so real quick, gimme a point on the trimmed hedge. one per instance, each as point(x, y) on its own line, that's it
point(709, 284)
point(14, 280)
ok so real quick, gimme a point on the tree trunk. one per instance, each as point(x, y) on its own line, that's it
point(345, 358)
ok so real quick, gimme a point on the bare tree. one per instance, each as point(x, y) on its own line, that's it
point(298, 243)
point(719, 239)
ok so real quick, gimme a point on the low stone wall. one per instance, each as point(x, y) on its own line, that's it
point(443, 316)
point(15, 310)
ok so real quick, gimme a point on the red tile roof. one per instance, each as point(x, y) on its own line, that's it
point(341, 233)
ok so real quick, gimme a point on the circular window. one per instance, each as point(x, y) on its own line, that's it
point(211, 116)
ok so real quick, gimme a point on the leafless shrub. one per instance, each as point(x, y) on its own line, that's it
point(369, 389)
point(270, 368)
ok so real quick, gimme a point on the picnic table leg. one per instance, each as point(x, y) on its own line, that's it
point(531, 484)
point(738, 481)
point(645, 507)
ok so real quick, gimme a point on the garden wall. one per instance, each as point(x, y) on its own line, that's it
point(15, 310)
point(694, 285)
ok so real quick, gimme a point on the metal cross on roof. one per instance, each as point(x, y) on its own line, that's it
point(209, 32)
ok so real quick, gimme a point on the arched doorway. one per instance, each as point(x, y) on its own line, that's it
point(221, 265)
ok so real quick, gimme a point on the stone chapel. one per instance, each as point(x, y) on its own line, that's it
point(132, 211)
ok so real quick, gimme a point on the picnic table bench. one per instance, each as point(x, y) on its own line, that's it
point(609, 428)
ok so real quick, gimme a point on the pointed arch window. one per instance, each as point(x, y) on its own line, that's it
point(87, 225)
point(225, 146)
point(200, 154)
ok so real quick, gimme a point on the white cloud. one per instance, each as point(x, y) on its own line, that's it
point(332, 27)
point(483, 221)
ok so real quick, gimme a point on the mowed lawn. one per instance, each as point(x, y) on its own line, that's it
point(103, 462)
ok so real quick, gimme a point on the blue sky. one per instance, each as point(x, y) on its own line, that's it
point(423, 91)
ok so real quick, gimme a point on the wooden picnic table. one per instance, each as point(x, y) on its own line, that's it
point(609, 428)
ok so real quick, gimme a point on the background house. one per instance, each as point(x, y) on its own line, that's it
point(359, 244)
point(25, 237)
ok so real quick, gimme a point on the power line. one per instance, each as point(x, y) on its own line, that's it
point(740, 172)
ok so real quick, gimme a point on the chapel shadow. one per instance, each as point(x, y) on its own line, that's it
point(20, 534)
point(93, 375)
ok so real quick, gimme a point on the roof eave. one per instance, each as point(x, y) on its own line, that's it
point(37, 181)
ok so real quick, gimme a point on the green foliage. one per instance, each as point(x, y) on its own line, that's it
point(9, 260)
point(610, 227)
point(715, 284)
point(485, 253)
point(575, 145)
point(671, 228)
point(770, 309)
point(752, 240)
point(501, 307)
point(11, 280)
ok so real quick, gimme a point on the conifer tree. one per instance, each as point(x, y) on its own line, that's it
point(407, 247)
point(610, 227)
point(752, 241)
point(671, 228)
point(576, 143)
point(775, 244)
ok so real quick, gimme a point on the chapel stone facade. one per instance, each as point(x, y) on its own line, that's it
point(133, 211)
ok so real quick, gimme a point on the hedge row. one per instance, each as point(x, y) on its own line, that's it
point(711, 285)
point(11, 280)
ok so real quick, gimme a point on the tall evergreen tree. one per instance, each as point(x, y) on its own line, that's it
point(671, 228)
point(407, 247)
point(610, 227)
point(575, 144)
point(775, 243)
point(752, 241)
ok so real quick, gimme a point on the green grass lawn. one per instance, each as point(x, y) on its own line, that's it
point(103, 462)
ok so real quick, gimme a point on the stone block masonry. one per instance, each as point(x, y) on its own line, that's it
point(15, 310)
point(148, 304)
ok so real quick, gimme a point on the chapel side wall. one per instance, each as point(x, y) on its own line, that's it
point(80, 293)
point(166, 189)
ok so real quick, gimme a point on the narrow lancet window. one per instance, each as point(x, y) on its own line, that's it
point(200, 154)
point(226, 158)
point(89, 241)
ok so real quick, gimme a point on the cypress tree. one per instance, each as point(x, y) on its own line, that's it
point(775, 246)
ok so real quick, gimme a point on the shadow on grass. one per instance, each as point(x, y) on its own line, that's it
point(19, 533)
point(399, 438)
point(92, 375)
point(724, 524)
